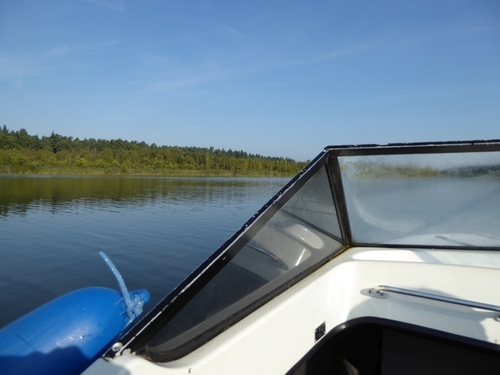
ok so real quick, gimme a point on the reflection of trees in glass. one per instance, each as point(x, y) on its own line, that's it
point(476, 170)
point(24, 153)
point(362, 169)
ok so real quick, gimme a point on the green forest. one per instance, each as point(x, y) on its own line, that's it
point(22, 153)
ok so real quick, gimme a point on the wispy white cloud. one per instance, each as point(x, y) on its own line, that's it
point(385, 41)
point(179, 85)
point(253, 57)
point(442, 34)
point(437, 93)
point(170, 75)
point(333, 54)
point(19, 85)
point(119, 5)
point(77, 49)
point(234, 32)
point(16, 67)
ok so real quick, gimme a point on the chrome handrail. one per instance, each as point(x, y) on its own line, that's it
point(381, 290)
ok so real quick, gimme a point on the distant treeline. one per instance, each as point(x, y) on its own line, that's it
point(21, 152)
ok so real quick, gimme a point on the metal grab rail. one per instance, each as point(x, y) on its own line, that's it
point(381, 291)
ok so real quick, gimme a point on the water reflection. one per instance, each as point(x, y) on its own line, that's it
point(20, 194)
point(156, 231)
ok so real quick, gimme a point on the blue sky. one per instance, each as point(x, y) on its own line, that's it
point(277, 78)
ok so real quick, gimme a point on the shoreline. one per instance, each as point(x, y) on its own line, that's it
point(144, 173)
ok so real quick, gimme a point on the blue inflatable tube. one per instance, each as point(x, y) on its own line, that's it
point(67, 334)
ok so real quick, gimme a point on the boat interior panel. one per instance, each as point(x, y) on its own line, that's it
point(380, 347)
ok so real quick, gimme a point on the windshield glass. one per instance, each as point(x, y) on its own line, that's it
point(449, 199)
point(304, 232)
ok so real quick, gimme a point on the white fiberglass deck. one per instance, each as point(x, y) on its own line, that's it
point(273, 338)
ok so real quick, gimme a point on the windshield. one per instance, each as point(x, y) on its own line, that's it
point(450, 199)
point(300, 235)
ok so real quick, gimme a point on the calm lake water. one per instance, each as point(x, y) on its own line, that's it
point(155, 230)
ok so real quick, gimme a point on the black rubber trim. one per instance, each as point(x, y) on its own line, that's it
point(415, 148)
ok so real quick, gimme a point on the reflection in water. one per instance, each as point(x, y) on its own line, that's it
point(19, 194)
point(156, 231)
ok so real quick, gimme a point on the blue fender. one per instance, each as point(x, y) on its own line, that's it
point(66, 335)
